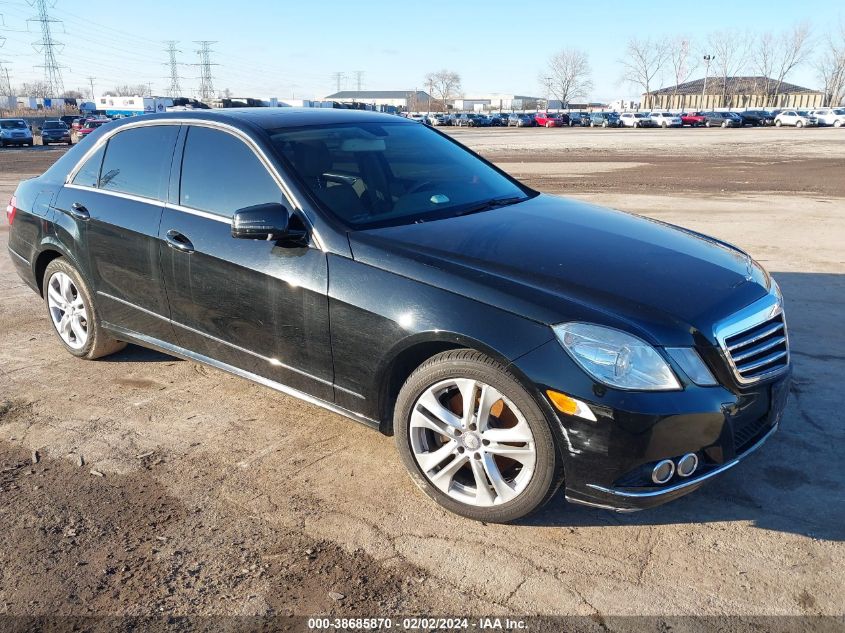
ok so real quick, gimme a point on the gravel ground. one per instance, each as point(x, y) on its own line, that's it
point(220, 497)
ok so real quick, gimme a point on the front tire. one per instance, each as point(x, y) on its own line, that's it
point(73, 314)
point(799, 124)
point(493, 460)
point(778, 123)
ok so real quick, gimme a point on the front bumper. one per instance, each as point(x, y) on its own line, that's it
point(608, 463)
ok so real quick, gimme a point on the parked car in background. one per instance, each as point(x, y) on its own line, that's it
point(830, 116)
point(718, 119)
point(737, 119)
point(55, 132)
point(545, 119)
point(635, 119)
point(693, 119)
point(794, 118)
point(499, 119)
point(579, 119)
point(604, 119)
point(538, 343)
point(68, 119)
point(521, 120)
point(89, 126)
point(755, 118)
point(15, 132)
point(666, 119)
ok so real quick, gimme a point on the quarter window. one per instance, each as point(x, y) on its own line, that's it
point(137, 161)
point(89, 174)
point(221, 174)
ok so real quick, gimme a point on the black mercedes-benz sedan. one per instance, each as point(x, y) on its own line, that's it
point(511, 341)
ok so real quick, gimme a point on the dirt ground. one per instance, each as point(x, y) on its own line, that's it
point(162, 487)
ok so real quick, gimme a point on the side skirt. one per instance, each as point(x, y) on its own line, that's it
point(180, 352)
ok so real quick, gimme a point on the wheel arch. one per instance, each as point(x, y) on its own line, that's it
point(409, 354)
point(50, 249)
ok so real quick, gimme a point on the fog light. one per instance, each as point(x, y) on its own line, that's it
point(687, 465)
point(663, 471)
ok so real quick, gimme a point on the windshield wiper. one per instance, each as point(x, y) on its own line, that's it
point(493, 203)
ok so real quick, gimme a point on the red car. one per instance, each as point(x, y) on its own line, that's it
point(89, 126)
point(549, 120)
point(693, 119)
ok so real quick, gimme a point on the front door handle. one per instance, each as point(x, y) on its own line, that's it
point(178, 241)
point(79, 211)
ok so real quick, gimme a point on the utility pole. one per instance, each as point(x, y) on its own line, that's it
point(338, 77)
point(707, 60)
point(175, 89)
point(359, 75)
point(48, 46)
point(205, 64)
point(91, 82)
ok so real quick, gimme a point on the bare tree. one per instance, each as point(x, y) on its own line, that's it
point(35, 89)
point(444, 85)
point(731, 50)
point(73, 94)
point(775, 56)
point(830, 66)
point(643, 60)
point(683, 63)
point(568, 76)
point(137, 90)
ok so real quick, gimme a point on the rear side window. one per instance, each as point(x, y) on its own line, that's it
point(221, 174)
point(89, 173)
point(137, 161)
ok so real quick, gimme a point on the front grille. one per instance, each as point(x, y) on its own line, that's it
point(759, 351)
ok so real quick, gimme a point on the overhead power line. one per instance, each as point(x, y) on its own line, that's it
point(48, 46)
point(339, 78)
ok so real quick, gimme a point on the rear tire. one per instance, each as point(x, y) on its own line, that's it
point(71, 309)
point(496, 460)
point(837, 123)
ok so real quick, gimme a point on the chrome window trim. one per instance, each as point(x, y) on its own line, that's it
point(753, 315)
point(118, 194)
point(286, 190)
point(691, 482)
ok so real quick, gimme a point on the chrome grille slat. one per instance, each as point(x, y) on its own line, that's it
point(767, 332)
point(755, 341)
point(768, 360)
point(753, 351)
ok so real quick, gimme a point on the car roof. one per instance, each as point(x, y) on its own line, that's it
point(273, 118)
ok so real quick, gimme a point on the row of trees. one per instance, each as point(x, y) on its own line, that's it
point(42, 89)
point(650, 63)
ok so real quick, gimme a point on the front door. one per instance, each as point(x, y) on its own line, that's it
point(251, 304)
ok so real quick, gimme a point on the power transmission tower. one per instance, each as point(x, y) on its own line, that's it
point(5, 82)
point(339, 78)
point(175, 89)
point(48, 46)
point(205, 64)
point(91, 81)
point(359, 76)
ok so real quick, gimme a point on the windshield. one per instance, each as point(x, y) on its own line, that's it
point(382, 174)
point(55, 125)
point(12, 125)
point(92, 124)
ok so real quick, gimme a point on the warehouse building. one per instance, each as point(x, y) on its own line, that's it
point(736, 92)
point(404, 99)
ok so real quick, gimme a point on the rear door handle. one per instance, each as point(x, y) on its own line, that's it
point(79, 211)
point(178, 241)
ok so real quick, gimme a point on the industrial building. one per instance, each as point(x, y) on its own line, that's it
point(736, 92)
point(404, 99)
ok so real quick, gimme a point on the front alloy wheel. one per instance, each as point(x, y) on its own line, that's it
point(474, 440)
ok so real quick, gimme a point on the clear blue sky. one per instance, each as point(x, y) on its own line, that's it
point(280, 48)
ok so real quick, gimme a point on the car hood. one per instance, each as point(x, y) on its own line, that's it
point(552, 260)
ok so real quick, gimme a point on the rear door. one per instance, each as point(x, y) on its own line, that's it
point(254, 305)
point(115, 201)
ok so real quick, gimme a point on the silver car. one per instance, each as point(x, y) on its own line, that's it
point(14, 132)
point(830, 116)
point(795, 119)
point(666, 119)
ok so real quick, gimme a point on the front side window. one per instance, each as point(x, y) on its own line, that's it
point(89, 174)
point(372, 174)
point(221, 174)
point(137, 161)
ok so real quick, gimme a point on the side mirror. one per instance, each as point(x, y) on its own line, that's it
point(270, 222)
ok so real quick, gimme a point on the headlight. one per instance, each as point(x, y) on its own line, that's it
point(615, 358)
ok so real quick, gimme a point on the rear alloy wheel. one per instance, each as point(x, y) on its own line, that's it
point(663, 125)
point(837, 123)
point(474, 440)
point(73, 313)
